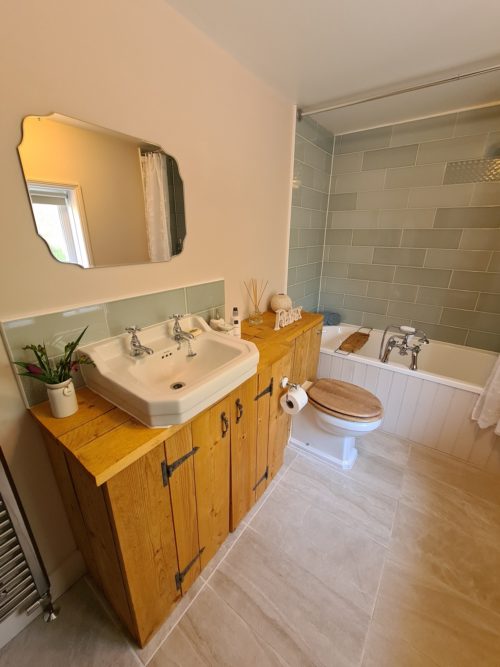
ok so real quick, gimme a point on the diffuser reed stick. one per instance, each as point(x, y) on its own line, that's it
point(255, 290)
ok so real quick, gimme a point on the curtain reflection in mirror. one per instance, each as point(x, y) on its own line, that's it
point(157, 205)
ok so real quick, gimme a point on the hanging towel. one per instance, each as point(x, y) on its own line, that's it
point(487, 409)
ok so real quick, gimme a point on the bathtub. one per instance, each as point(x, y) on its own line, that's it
point(432, 405)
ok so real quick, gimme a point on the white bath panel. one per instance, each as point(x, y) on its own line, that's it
point(493, 463)
point(371, 379)
point(324, 365)
point(485, 441)
point(336, 369)
point(464, 440)
point(459, 408)
point(348, 370)
point(395, 402)
point(409, 406)
point(383, 388)
point(436, 416)
point(422, 411)
point(359, 374)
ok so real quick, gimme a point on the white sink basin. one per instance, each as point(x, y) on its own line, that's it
point(168, 387)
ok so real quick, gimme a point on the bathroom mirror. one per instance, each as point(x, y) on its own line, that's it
point(99, 197)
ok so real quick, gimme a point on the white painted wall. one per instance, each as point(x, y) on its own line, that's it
point(141, 69)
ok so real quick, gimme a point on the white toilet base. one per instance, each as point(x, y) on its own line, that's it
point(339, 450)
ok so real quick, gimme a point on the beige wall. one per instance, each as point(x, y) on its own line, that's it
point(140, 69)
point(107, 169)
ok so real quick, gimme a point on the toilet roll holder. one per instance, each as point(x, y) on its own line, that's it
point(285, 382)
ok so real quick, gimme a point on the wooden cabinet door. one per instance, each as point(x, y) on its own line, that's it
point(141, 516)
point(212, 435)
point(181, 481)
point(313, 348)
point(298, 373)
point(262, 445)
point(243, 449)
point(279, 421)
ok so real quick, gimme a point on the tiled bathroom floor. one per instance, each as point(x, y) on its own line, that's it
point(395, 564)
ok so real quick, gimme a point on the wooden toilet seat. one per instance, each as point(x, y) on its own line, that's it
point(345, 401)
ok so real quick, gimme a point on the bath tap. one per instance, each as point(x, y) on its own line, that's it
point(403, 342)
point(136, 348)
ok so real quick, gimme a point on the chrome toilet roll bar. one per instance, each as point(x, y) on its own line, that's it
point(285, 382)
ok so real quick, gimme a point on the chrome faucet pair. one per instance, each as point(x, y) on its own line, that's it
point(403, 341)
point(139, 350)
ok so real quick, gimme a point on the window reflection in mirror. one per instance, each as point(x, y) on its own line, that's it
point(101, 198)
point(58, 220)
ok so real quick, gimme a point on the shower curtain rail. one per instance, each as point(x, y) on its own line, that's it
point(313, 110)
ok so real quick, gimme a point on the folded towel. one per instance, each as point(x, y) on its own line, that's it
point(487, 409)
point(330, 319)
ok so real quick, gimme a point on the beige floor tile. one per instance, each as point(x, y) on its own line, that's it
point(377, 472)
point(383, 651)
point(82, 635)
point(212, 634)
point(431, 621)
point(440, 554)
point(145, 654)
point(387, 445)
point(289, 607)
point(345, 559)
point(428, 462)
point(451, 505)
point(353, 503)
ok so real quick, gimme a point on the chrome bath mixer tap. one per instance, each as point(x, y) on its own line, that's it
point(403, 341)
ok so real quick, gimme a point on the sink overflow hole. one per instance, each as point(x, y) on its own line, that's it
point(177, 385)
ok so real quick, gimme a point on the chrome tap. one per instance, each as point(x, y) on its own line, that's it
point(136, 348)
point(403, 341)
point(179, 335)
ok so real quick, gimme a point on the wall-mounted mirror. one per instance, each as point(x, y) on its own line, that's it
point(99, 197)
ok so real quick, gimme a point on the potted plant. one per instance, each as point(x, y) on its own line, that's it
point(56, 374)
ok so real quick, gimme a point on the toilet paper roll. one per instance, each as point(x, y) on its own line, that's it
point(293, 401)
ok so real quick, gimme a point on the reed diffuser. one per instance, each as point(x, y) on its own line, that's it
point(255, 289)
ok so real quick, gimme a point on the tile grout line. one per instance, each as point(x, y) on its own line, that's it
point(174, 626)
point(386, 555)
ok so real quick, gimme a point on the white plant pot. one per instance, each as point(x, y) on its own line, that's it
point(62, 398)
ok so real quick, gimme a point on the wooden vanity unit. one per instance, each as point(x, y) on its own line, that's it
point(148, 507)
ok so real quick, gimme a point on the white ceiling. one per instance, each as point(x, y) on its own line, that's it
point(333, 50)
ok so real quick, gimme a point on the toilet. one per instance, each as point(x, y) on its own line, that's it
point(337, 413)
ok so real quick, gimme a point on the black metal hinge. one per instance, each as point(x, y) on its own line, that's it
point(180, 576)
point(264, 476)
point(267, 390)
point(167, 470)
